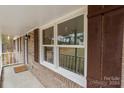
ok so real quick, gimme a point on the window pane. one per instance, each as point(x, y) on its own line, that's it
point(71, 32)
point(48, 54)
point(48, 36)
point(72, 59)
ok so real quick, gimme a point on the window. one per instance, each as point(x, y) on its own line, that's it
point(48, 36)
point(72, 59)
point(71, 32)
point(63, 47)
point(48, 54)
point(48, 40)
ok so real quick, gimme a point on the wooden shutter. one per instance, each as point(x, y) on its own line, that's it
point(105, 42)
point(36, 45)
point(94, 51)
point(112, 45)
point(18, 44)
point(24, 47)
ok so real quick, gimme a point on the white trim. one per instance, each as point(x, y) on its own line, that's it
point(85, 45)
point(1, 63)
point(48, 64)
point(71, 46)
point(48, 45)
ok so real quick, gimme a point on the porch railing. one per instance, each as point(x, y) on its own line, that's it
point(72, 63)
point(8, 58)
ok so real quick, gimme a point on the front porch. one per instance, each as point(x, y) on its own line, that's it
point(19, 80)
point(37, 76)
point(53, 66)
point(77, 47)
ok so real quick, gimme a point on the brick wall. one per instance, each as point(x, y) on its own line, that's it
point(51, 79)
point(31, 49)
point(46, 76)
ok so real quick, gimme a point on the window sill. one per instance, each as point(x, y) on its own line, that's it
point(81, 80)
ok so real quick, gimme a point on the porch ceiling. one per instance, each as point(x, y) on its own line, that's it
point(16, 20)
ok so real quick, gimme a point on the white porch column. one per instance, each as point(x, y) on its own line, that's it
point(0, 53)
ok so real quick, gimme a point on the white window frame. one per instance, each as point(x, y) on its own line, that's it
point(81, 80)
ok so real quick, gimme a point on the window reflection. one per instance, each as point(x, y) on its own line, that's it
point(48, 36)
point(71, 32)
point(48, 54)
point(72, 59)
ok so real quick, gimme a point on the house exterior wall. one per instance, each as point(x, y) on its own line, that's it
point(31, 49)
point(46, 76)
point(52, 79)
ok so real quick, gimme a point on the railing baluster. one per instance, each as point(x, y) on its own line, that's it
point(72, 63)
point(79, 65)
point(3, 58)
point(68, 62)
point(62, 60)
point(8, 58)
point(76, 63)
point(82, 65)
point(12, 58)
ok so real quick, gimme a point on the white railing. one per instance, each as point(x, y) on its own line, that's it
point(9, 58)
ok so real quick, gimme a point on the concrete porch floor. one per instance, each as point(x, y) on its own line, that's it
point(19, 80)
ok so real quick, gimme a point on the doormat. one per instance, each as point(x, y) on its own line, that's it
point(20, 68)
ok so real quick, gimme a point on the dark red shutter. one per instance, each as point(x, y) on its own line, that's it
point(18, 44)
point(105, 42)
point(36, 45)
